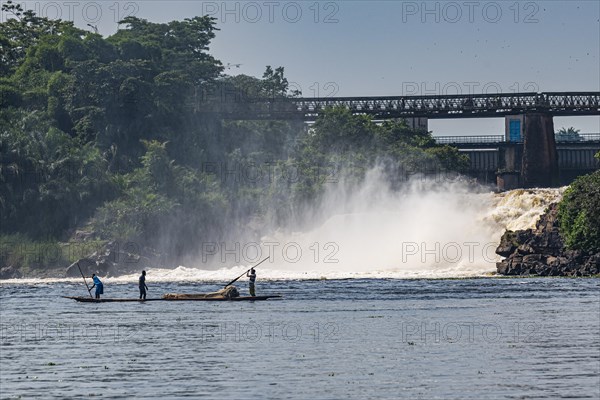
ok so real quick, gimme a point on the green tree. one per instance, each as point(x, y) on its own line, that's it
point(50, 181)
point(353, 144)
point(579, 213)
point(164, 205)
point(570, 135)
point(22, 32)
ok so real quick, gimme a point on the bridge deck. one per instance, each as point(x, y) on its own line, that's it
point(442, 106)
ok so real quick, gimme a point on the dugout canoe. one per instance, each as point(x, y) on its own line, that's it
point(187, 298)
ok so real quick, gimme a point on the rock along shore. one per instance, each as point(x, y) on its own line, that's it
point(541, 251)
point(112, 261)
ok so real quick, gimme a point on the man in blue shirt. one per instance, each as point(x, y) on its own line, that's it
point(98, 285)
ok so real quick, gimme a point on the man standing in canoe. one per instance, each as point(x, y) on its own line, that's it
point(252, 275)
point(98, 285)
point(143, 286)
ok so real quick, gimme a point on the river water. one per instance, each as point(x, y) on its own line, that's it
point(326, 339)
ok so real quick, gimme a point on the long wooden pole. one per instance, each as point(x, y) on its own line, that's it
point(233, 281)
point(86, 285)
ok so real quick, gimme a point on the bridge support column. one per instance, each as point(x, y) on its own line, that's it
point(540, 159)
point(420, 123)
point(508, 176)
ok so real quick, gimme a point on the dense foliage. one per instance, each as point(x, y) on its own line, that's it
point(570, 135)
point(579, 213)
point(109, 136)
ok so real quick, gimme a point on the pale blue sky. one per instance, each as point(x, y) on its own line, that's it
point(370, 48)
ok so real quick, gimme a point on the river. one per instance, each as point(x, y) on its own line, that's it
point(480, 338)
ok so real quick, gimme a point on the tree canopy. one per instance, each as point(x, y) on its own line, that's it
point(109, 135)
point(579, 213)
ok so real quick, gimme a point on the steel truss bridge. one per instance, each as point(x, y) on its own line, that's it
point(380, 108)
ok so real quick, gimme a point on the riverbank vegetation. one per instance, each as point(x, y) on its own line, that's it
point(109, 139)
point(579, 213)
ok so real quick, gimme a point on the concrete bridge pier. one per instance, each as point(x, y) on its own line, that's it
point(510, 157)
point(540, 159)
point(529, 157)
point(419, 123)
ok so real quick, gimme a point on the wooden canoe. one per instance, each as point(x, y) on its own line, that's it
point(243, 298)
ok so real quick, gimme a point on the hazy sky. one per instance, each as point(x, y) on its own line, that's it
point(353, 48)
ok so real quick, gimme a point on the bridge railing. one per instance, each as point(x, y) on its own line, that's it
point(483, 139)
point(577, 138)
point(497, 139)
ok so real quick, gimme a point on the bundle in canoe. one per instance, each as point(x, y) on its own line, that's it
point(229, 293)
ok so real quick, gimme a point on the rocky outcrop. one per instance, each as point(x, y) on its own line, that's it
point(10, 272)
point(541, 251)
point(111, 260)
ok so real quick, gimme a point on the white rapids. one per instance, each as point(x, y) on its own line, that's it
point(429, 230)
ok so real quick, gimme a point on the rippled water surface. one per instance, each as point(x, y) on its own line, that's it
point(358, 339)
